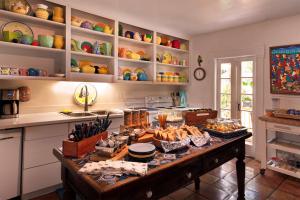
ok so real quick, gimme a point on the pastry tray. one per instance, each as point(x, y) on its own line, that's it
point(226, 135)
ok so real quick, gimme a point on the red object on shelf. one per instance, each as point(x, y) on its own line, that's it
point(176, 44)
point(83, 147)
point(35, 43)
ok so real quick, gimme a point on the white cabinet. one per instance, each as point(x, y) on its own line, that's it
point(10, 154)
point(40, 167)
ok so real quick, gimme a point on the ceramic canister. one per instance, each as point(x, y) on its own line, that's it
point(59, 42)
point(58, 14)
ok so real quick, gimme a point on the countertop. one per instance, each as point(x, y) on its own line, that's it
point(26, 120)
point(277, 120)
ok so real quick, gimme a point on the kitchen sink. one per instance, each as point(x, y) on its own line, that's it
point(79, 114)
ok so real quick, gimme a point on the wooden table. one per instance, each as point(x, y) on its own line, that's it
point(161, 180)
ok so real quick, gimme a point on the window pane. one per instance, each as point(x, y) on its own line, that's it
point(247, 85)
point(225, 70)
point(225, 101)
point(225, 86)
point(246, 119)
point(225, 114)
point(247, 102)
point(247, 69)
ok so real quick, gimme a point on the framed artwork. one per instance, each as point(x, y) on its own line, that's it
point(285, 69)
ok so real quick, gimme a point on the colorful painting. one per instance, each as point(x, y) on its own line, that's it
point(285, 69)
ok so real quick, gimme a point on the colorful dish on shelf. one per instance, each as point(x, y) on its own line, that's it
point(18, 28)
point(18, 6)
point(139, 70)
point(87, 47)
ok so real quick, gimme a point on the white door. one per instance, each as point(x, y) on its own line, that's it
point(235, 92)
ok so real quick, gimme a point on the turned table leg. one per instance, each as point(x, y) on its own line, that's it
point(197, 183)
point(240, 170)
point(69, 193)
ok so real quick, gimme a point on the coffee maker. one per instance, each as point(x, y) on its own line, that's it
point(9, 103)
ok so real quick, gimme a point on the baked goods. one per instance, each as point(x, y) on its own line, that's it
point(224, 126)
point(177, 134)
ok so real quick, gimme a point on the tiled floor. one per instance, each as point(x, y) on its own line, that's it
point(221, 184)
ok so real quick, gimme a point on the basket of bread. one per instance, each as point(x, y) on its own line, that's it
point(173, 138)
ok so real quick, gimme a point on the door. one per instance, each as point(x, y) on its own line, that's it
point(235, 92)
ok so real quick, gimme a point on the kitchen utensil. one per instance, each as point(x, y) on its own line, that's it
point(87, 47)
point(26, 39)
point(59, 42)
point(41, 11)
point(19, 29)
point(46, 41)
point(58, 14)
point(18, 6)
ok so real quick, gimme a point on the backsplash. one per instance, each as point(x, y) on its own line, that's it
point(53, 96)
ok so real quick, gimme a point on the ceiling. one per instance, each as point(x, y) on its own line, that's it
point(194, 17)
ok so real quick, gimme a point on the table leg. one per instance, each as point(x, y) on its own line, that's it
point(69, 193)
point(240, 171)
point(197, 183)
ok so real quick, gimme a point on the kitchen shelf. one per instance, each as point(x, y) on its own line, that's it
point(10, 77)
point(135, 61)
point(171, 48)
point(30, 47)
point(90, 32)
point(171, 83)
point(30, 19)
point(284, 146)
point(84, 54)
point(133, 41)
point(171, 65)
point(77, 76)
point(134, 82)
point(285, 171)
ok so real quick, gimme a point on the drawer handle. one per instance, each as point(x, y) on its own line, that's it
point(216, 160)
point(149, 194)
point(282, 127)
point(189, 175)
point(236, 150)
point(6, 138)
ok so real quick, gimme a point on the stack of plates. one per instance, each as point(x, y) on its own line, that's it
point(141, 152)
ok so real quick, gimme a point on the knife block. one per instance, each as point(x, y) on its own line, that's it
point(83, 147)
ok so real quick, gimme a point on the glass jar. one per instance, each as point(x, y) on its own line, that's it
point(128, 117)
point(158, 77)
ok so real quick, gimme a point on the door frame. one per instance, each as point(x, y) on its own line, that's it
point(250, 149)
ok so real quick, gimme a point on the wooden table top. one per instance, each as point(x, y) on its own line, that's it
point(277, 120)
point(102, 187)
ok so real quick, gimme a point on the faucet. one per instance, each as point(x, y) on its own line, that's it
point(86, 94)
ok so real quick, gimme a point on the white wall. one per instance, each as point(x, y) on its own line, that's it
point(246, 40)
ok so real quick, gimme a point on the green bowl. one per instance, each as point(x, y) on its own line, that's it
point(46, 40)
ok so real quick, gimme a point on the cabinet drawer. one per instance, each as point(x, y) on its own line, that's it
point(38, 132)
point(172, 181)
point(39, 152)
point(283, 128)
point(214, 160)
point(41, 177)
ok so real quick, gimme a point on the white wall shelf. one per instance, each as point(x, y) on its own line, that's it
point(284, 146)
point(30, 19)
point(285, 171)
point(62, 57)
point(10, 77)
point(84, 54)
point(90, 32)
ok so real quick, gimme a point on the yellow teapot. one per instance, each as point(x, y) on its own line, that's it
point(107, 29)
point(20, 8)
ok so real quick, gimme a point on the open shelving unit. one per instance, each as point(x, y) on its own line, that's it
point(58, 61)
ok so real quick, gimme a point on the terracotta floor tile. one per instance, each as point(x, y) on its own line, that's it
point(196, 197)
point(210, 192)
point(208, 178)
point(291, 186)
point(226, 186)
point(280, 195)
point(219, 172)
point(231, 177)
point(166, 198)
point(227, 167)
point(232, 162)
point(254, 164)
point(181, 194)
point(262, 190)
point(271, 179)
point(251, 173)
point(51, 196)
